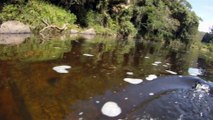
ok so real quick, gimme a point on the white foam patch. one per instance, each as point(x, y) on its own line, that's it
point(129, 73)
point(134, 81)
point(62, 68)
point(158, 62)
point(80, 118)
point(146, 57)
point(194, 71)
point(171, 72)
point(202, 87)
point(111, 109)
point(154, 64)
point(88, 55)
point(151, 77)
point(151, 94)
point(168, 63)
point(165, 65)
point(81, 113)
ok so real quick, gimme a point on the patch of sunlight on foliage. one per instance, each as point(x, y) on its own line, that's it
point(35, 11)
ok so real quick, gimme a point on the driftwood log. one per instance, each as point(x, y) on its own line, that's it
point(53, 27)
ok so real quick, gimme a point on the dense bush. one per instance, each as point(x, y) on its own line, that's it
point(35, 11)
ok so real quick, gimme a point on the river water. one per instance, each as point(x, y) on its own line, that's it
point(72, 78)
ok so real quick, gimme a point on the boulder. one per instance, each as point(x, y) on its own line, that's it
point(14, 27)
point(90, 31)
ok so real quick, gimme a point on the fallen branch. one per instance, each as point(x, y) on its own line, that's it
point(45, 22)
point(53, 27)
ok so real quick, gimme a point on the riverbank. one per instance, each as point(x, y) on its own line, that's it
point(43, 17)
point(162, 21)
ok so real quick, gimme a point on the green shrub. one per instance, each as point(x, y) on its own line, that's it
point(102, 23)
point(127, 28)
point(35, 11)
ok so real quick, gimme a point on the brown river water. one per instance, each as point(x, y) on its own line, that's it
point(100, 70)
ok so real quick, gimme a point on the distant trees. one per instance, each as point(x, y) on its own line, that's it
point(165, 19)
point(154, 19)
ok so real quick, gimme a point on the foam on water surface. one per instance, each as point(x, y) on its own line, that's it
point(151, 77)
point(111, 109)
point(133, 80)
point(88, 55)
point(62, 68)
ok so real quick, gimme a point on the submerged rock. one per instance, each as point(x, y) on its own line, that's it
point(165, 98)
point(177, 105)
point(14, 27)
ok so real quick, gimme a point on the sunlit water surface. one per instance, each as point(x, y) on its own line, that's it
point(96, 79)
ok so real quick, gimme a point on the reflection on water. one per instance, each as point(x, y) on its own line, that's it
point(13, 39)
point(31, 89)
point(35, 50)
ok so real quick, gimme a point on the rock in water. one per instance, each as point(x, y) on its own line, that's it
point(14, 27)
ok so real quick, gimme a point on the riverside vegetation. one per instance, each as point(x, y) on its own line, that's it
point(156, 20)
